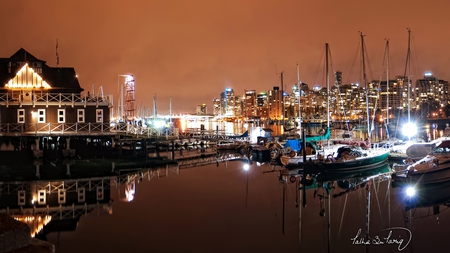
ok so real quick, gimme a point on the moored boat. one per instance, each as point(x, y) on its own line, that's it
point(347, 159)
point(433, 168)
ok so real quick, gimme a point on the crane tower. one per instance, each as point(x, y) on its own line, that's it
point(127, 98)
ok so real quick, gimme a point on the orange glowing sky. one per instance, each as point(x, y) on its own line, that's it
point(191, 50)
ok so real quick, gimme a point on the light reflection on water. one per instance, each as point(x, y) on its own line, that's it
point(209, 209)
point(239, 127)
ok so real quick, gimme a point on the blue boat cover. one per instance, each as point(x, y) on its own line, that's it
point(293, 144)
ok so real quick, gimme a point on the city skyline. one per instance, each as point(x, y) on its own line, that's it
point(188, 52)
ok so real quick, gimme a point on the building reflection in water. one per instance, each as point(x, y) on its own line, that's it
point(57, 205)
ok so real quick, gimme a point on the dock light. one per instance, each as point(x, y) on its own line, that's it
point(410, 191)
point(159, 123)
point(409, 129)
point(246, 167)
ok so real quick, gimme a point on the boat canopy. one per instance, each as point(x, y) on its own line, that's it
point(326, 136)
point(293, 144)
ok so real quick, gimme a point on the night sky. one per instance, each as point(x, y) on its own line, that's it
point(192, 50)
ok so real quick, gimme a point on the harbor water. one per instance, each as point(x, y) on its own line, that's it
point(223, 208)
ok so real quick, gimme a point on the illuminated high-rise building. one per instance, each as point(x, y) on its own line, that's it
point(262, 105)
point(431, 88)
point(250, 104)
point(201, 109)
point(227, 103)
point(275, 103)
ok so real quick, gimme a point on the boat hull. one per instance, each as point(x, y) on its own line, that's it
point(362, 163)
point(437, 175)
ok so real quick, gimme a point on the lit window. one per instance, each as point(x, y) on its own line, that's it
point(20, 115)
point(61, 115)
point(99, 116)
point(80, 115)
point(41, 115)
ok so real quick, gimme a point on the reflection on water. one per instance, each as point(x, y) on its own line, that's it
point(239, 126)
point(224, 208)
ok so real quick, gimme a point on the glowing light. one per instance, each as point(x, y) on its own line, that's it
point(129, 193)
point(27, 78)
point(409, 129)
point(36, 224)
point(159, 123)
point(246, 167)
point(410, 191)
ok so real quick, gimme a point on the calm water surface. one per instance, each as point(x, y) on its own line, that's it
point(210, 209)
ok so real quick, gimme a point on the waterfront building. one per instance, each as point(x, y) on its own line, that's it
point(431, 88)
point(250, 110)
point(262, 105)
point(347, 101)
point(403, 80)
point(341, 101)
point(275, 103)
point(227, 103)
point(392, 95)
point(45, 105)
point(291, 102)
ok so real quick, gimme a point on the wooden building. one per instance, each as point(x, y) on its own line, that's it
point(42, 103)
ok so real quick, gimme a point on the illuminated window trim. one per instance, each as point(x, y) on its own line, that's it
point(41, 115)
point(20, 115)
point(61, 115)
point(80, 115)
point(99, 115)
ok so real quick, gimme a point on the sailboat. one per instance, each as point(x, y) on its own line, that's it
point(415, 149)
point(342, 158)
point(314, 148)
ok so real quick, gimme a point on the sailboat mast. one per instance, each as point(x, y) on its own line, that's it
point(408, 71)
point(170, 109)
point(387, 82)
point(299, 96)
point(154, 106)
point(282, 96)
point(365, 83)
point(328, 84)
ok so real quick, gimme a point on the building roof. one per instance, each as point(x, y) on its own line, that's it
point(62, 80)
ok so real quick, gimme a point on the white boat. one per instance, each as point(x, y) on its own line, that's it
point(415, 149)
point(433, 168)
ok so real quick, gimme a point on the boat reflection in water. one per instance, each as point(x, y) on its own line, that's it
point(425, 196)
point(344, 179)
point(328, 185)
